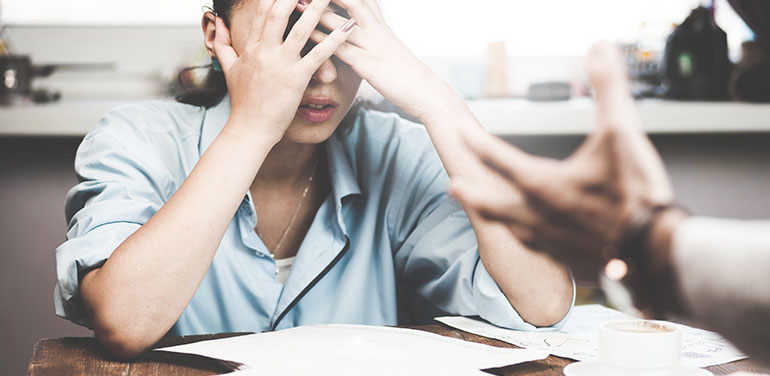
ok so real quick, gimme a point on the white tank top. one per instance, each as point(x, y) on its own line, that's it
point(282, 269)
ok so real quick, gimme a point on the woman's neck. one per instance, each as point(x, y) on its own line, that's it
point(287, 165)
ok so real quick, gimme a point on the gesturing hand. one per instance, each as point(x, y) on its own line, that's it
point(378, 56)
point(573, 210)
point(267, 78)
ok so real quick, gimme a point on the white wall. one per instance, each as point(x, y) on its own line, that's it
point(102, 12)
point(431, 28)
point(149, 40)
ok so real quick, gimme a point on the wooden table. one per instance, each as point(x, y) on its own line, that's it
point(84, 356)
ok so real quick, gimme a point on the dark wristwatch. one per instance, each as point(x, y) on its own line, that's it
point(627, 278)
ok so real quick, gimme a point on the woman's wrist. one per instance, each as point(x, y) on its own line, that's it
point(250, 131)
point(444, 107)
point(430, 97)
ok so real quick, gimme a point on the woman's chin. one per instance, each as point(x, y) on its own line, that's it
point(304, 132)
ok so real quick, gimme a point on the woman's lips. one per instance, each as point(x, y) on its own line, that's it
point(317, 109)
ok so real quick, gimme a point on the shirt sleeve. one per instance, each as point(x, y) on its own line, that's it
point(119, 189)
point(437, 260)
point(723, 268)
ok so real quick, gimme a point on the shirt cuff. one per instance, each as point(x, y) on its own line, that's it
point(494, 307)
point(78, 256)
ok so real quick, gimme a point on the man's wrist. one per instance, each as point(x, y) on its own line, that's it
point(659, 253)
point(645, 251)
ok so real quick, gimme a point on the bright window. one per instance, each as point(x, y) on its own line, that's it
point(447, 28)
point(542, 27)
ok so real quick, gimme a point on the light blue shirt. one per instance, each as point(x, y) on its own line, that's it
point(387, 247)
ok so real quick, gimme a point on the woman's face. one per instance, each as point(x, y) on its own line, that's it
point(326, 100)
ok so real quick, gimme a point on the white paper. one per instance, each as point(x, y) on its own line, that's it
point(579, 338)
point(356, 350)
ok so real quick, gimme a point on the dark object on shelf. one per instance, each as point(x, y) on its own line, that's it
point(644, 69)
point(696, 61)
point(549, 91)
point(16, 74)
point(751, 79)
point(45, 96)
point(756, 14)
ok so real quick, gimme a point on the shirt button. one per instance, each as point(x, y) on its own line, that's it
point(277, 271)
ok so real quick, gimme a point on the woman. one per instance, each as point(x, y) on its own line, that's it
point(162, 239)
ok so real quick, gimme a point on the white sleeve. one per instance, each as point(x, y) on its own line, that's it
point(724, 272)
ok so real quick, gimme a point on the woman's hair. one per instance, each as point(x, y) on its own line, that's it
point(214, 88)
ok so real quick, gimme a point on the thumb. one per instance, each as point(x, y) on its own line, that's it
point(619, 123)
point(613, 90)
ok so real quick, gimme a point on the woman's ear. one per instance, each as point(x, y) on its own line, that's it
point(208, 24)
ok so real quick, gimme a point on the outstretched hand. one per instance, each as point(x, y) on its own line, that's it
point(575, 209)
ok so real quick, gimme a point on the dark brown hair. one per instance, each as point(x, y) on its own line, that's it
point(214, 87)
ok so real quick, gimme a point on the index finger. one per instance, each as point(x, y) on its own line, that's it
point(492, 205)
point(259, 20)
point(613, 90)
point(514, 164)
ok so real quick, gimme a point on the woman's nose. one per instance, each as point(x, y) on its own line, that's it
point(326, 73)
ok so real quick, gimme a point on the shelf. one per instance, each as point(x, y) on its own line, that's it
point(67, 118)
point(514, 117)
point(517, 117)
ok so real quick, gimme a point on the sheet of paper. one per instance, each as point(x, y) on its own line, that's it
point(579, 338)
point(356, 350)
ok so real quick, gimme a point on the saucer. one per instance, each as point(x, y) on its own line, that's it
point(595, 368)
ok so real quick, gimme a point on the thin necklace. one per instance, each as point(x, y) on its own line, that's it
point(293, 217)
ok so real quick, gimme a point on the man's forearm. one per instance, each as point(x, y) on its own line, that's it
point(723, 268)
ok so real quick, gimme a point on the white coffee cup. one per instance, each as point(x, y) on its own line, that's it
point(640, 347)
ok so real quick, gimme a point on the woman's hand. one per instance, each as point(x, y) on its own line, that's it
point(573, 210)
point(266, 80)
point(378, 56)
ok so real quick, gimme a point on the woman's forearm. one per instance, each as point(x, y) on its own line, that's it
point(146, 284)
point(446, 117)
point(538, 288)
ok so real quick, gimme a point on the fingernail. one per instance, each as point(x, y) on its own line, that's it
point(347, 26)
point(304, 2)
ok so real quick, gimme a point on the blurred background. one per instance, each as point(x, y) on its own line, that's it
point(519, 64)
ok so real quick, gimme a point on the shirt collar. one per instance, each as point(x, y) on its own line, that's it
point(342, 168)
point(341, 164)
point(214, 121)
